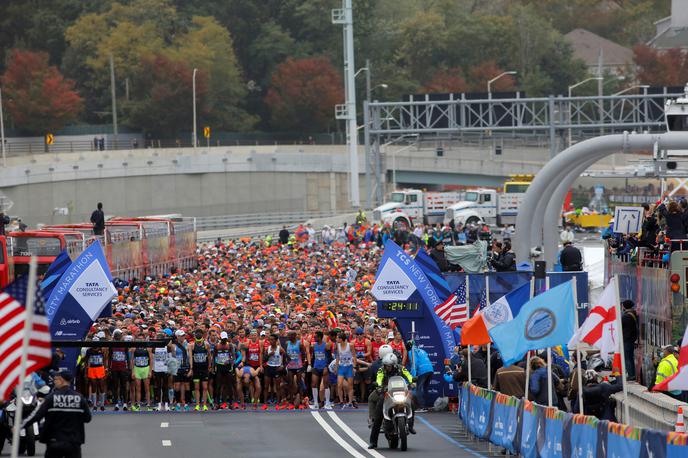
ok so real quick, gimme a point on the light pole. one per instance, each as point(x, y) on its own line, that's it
point(489, 83)
point(571, 88)
point(489, 89)
point(628, 89)
point(394, 155)
point(368, 156)
point(2, 133)
point(193, 86)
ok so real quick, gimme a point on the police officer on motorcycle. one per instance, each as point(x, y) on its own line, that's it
point(65, 412)
point(390, 368)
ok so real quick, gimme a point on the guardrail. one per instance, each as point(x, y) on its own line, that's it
point(209, 223)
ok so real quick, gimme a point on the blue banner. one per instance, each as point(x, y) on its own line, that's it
point(581, 433)
point(465, 402)
point(79, 297)
point(504, 421)
point(676, 445)
point(622, 441)
point(59, 266)
point(529, 426)
point(404, 293)
point(479, 416)
point(550, 437)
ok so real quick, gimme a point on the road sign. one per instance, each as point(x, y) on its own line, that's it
point(49, 139)
point(206, 132)
point(627, 220)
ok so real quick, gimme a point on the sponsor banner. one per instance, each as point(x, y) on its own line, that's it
point(529, 426)
point(622, 441)
point(676, 445)
point(404, 293)
point(465, 402)
point(504, 421)
point(580, 437)
point(80, 297)
point(479, 416)
point(550, 437)
point(654, 444)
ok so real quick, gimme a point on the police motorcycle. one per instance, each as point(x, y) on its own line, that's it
point(397, 412)
point(31, 397)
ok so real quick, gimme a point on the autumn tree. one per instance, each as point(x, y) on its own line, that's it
point(163, 96)
point(39, 99)
point(444, 81)
point(303, 93)
point(661, 68)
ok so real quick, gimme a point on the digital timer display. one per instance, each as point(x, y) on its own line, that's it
point(401, 306)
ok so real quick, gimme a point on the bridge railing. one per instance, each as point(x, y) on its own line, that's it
point(207, 223)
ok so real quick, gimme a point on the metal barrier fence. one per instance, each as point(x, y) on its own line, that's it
point(525, 428)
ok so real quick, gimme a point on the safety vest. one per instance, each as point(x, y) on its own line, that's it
point(666, 368)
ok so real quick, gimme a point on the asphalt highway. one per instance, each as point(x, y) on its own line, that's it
point(302, 434)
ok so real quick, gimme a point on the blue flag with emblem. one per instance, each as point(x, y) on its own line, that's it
point(547, 320)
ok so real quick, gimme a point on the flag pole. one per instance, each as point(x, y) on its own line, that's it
point(468, 312)
point(489, 344)
point(617, 305)
point(532, 294)
point(578, 352)
point(549, 362)
point(28, 325)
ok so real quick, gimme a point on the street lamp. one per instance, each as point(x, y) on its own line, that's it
point(394, 155)
point(489, 83)
point(193, 85)
point(2, 133)
point(571, 88)
point(637, 86)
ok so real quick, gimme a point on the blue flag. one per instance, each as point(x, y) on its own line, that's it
point(80, 295)
point(433, 273)
point(59, 266)
point(547, 320)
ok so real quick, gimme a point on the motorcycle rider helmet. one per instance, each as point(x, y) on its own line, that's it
point(385, 350)
point(390, 360)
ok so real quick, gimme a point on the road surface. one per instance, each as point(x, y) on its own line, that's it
point(302, 434)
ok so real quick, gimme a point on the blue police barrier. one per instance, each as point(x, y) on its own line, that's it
point(465, 403)
point(479, 415)
point(676, 445)
point(528, 427)
point(623, 441)
point(504, 421)
point(550, 438)
point(580, 437)
point(654, 444)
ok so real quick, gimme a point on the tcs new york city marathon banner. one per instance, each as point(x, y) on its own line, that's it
point(78, 298)
point(405, 293)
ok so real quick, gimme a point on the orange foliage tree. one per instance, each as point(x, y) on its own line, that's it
point(303, 93)
point(38, 98)
point(661, 68)
point(470, 80)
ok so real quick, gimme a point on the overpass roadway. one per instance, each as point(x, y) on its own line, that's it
point(237, 180)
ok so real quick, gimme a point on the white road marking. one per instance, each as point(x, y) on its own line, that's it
point(164, 424)
point(166, 443)
point(337, 438)
point(350, 432)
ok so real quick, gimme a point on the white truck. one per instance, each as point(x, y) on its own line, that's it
point(487, 206)
point(411, 206)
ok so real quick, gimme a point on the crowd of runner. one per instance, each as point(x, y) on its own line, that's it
point(256, 322)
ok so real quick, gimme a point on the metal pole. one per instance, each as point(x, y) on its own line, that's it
point(28, 324)
point(349, 68)
point(578, 353)
point(2, 133)
point(570, 121)
point(366, 139)
point(468, 317)
point(622, 353)
point(114, 101)
point(193, 85)
point(489, 345)
point(549, 362)
point(394, 170)
point(552, 129)
point(532, 294)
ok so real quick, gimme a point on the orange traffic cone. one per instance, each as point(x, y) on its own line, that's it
point(616, 365)
point(680, 424)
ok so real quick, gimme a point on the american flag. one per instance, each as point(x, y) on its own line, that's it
point(13, 317)
point(483, 300)
point(454, 311)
